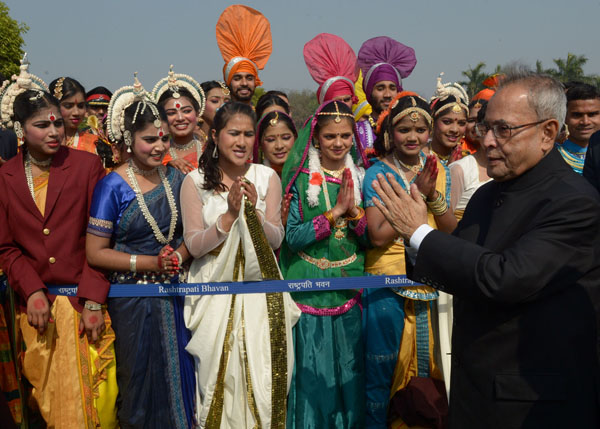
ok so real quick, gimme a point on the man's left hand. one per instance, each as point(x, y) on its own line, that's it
point(404, 212)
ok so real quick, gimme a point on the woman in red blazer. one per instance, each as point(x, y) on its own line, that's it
point(44, 204)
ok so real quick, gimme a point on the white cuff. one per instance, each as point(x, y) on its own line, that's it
point(415, 242)
point(418, 236)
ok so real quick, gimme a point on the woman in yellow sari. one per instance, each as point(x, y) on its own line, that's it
point(47, 191)
point(400, 342)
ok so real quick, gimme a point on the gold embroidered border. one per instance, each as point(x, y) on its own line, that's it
point(106, 224)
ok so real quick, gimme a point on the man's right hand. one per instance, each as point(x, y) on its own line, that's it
point(38, 311)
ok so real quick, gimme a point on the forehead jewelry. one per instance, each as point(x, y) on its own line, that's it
point(58, 94)
point(414, 116)
point(456, 108)
point(274, 121)
point(172, 83)
point(338, 115)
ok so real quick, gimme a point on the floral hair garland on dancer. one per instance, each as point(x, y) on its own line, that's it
point(449, 95)
point(11, 89)
point(121, 100)
point(175, 81)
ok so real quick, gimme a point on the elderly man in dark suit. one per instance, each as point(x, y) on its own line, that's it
point(524, 268)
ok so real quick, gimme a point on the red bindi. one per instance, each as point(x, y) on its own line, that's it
point(39, 304)
point(93, 319)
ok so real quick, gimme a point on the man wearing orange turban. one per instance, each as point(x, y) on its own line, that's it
point(244, 39)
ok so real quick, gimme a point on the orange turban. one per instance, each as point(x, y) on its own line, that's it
point(244, 39)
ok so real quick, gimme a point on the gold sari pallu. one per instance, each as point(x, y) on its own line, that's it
point(74, 382)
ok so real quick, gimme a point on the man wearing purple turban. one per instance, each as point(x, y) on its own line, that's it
point(384, 63)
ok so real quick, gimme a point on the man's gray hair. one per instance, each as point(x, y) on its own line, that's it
point(546, 94)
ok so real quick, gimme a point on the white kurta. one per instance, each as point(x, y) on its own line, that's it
point(207, 318)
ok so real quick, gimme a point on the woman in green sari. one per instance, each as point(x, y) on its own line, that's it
point(325, 235)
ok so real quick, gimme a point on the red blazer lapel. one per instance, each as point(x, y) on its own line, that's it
point(58, 176)
point(15, 177)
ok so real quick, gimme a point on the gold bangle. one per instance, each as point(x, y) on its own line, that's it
point(361, 213)
point(329, 216)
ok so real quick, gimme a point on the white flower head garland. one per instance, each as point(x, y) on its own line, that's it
point(445, 90)
point(121, 100)
point(15, 86)
point(176, 80)
point(314, 167)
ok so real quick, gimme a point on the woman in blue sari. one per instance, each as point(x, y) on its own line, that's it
point(135, 233)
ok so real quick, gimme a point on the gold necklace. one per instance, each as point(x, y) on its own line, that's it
point(414, 168)
point(340, 223)
point(334, 173)
point(186, 146)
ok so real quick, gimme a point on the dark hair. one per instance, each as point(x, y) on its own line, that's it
point(29, 103)
point(481, 112)
point(70, 87)
point(213, 177)
point(143, 118)
point(183, 93)
point(280, 117)
point(277, 93)
point(582, 91)
point(323, 120)
point(479, 101)
point(210, 84)
point(99, 90)
point(388, 126)
point(268, 100)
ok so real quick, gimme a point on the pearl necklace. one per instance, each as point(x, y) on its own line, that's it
point(146, 212)
point(29, 174)
point(186, 146)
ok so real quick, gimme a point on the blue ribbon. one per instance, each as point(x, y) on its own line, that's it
point(227, 288)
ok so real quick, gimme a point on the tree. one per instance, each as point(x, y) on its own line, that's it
point(303, 104)
point(569, 69)
point(11, 42)
point(475, 77)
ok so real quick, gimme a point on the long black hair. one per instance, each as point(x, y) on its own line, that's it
point(213, 176)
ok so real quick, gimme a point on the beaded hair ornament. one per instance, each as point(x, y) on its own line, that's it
point(174, 81)
point(121, 100)
point(17, 85)
point(450, 90)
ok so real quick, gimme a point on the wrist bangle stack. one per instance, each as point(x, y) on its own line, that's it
point(438, 206)
point(92, 306)
point(361, 213)
point(329, 216)
point(179, 257)
point(133, 263)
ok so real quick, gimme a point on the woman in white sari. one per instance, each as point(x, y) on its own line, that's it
point(241, 343)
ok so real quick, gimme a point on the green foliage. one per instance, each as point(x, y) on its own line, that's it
point(11, 42)
point(569, 69)
point(475, 77)
point(258, 92)
point(303, 104)
point(565, 70)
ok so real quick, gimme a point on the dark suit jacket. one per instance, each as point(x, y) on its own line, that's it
point(524, 268)
point(8, 144)
point(591, 168)
point(29, 240)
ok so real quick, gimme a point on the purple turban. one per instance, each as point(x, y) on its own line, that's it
point(382, 58)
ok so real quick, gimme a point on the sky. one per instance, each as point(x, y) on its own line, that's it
point(104, 42)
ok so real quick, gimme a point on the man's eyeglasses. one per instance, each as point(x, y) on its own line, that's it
point(501, 130)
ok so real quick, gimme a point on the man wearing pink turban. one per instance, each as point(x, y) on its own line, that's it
point(384, 62)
